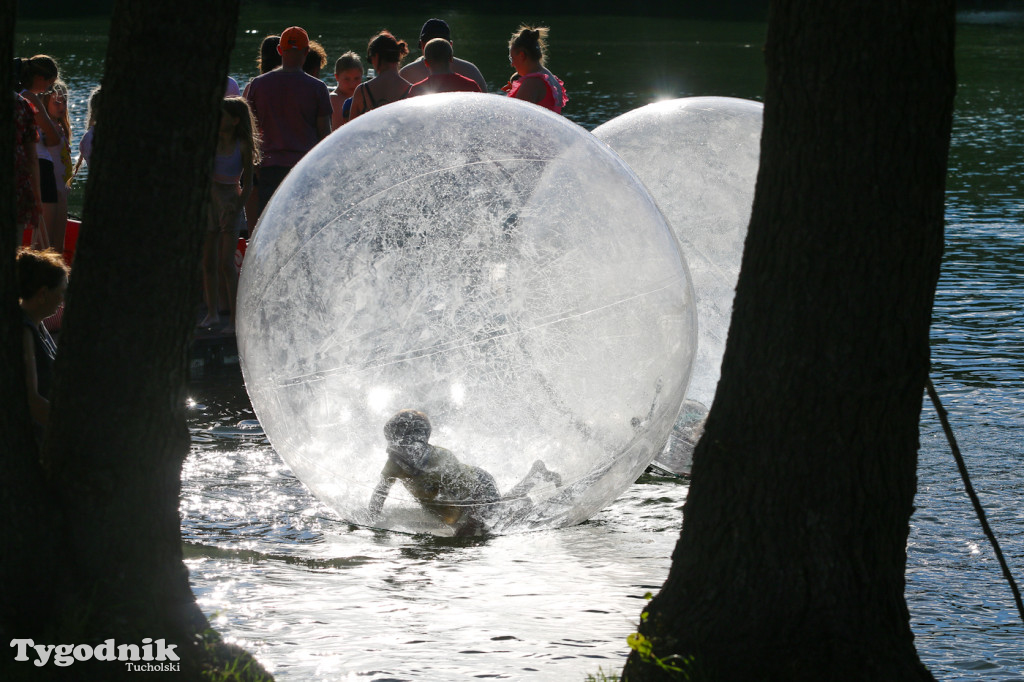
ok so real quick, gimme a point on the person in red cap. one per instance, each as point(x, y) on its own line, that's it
point(438, 55)
point(293, 110)
point(417, 70)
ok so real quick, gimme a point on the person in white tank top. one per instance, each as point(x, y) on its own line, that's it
point(56, 103)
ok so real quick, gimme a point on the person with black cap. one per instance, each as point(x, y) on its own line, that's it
point(416, 71)
point(438, 54)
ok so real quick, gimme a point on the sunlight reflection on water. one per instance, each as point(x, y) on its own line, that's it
point(317, 599)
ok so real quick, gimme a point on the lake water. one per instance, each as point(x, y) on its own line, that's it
point(314, 598)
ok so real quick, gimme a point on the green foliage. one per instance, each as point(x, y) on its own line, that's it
point(228, 663)
point(237, 670)
point(601, 676)
point(679, 667)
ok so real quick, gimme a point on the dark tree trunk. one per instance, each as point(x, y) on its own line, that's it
point(111, 459)
point(791, 561)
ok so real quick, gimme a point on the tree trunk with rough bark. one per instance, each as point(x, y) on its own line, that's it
point(791, 561)
point(98, 552)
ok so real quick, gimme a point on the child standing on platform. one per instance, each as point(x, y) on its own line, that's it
point(238, 153)
point(348, 72)
point(89, 138)
point(56, 103)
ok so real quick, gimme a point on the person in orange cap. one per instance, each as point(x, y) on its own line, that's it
point(293, 110)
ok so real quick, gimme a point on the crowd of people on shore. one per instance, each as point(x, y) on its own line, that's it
point(265, 130)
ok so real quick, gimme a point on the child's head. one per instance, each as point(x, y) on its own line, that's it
point(316, 59)
point(56, 102)
point(36, 73)
point(242, 123)
point(269, 58)
point(56, 99)
point(348, 71)
point(407, 426)
point(37, 270)
point(93, 107)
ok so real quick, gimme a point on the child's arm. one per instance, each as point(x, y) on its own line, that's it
point(357, 103)
point(247, 173)
point(38, 406)
point(337, 104)
point(379, 496)
point(37, 197)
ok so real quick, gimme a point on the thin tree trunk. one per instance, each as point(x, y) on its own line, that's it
point(791, 561)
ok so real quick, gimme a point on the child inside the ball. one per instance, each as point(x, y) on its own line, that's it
point(460, 495)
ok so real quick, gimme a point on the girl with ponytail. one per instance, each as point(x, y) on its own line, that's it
point(533, 82)
point(385, 53)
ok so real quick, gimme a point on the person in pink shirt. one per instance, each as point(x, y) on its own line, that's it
point(293, 110)
point(28, 199)
point(439, 57)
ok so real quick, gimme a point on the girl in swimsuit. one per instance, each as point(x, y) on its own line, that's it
point(385, 53)
point(527, 51)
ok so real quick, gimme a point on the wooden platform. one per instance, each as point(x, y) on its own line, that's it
point(213, 355)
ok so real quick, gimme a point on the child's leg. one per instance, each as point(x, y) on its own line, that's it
point(227, 275)
point(210, 283)
point(538, 473)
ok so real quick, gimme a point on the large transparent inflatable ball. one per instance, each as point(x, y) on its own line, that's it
point(463, 314)
point(698, 157)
